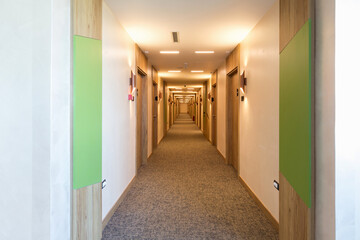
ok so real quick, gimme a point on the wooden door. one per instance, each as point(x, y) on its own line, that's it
point(213, 113)
point(155, 116)
point(141, 110)
point(205, 112)
point(233, 119)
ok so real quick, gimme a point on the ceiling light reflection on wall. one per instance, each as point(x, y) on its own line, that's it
point(169, 52)
point(204, 52)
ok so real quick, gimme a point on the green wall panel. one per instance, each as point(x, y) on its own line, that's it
point(295, 113)
point(87, 111)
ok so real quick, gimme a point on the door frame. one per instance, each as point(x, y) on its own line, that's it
point(229, 116)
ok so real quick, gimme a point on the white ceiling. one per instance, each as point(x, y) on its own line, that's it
point(217, 25)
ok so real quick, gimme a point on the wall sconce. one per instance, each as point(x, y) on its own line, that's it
point(243, 82)
point(131, 87)
point(160, 95)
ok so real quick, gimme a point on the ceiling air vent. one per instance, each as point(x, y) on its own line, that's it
point(175, 36)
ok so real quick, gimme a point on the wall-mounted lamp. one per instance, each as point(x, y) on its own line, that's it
point(243, 82)
point(131, 87)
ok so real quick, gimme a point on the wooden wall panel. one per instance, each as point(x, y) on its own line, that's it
point(86, 201)
point(87, 18)
point(87, 222)
point(297, 200)
point(141, 60)
point(293, 15)
point(154, 75)
point(233, 60)
point(295, 216)
point(214, 78)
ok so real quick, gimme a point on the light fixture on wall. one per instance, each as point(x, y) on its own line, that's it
point(132, 86)
point(243, 82)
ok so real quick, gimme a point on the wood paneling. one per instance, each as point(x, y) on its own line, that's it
point(267, 213)
point(154, 75)
point(87, 18)
point(214, 76)
point(293, 15)
point(141, 60)
point(233, 60)
point(214, 116)
point(87, 213)
point(232, 136)
point(141, 119)
point(86, 201)
point(155, 115)
point(295, 216)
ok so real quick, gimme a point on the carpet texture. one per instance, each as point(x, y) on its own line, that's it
point(186, 191)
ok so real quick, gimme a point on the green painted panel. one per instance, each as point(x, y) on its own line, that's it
point(295, 113)
point(87, 111)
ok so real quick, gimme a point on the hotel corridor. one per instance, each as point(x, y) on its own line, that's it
point(186, 191)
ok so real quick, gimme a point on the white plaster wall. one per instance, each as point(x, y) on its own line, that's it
point(259, 113)
point(35, 125)
point(325, 120)
point(119, 119)
point(347, 118)
point(221, 109)
point(60, 135)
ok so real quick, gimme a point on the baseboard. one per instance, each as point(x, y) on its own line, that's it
point(117, 204)
point(267, 213)
point(221, 155)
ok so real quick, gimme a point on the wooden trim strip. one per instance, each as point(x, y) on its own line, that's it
point(267, 213)
point(117, 204)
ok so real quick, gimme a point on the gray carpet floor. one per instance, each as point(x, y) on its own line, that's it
point(186, 191)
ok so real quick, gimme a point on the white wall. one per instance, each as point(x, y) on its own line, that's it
point(325, 120)
point(221, 109)
point(35, 82)
point(259, 113)
point(119, 119)
point(347, 116)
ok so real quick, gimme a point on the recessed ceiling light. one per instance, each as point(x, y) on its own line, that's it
point(174, 71)
point(169, 52)
point(197, 71)
point(204, 52)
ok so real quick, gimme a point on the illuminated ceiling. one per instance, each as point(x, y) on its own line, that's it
point(217, 25)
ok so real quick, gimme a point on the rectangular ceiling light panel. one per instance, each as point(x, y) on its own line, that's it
point(204, 52)
point(169, 52)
